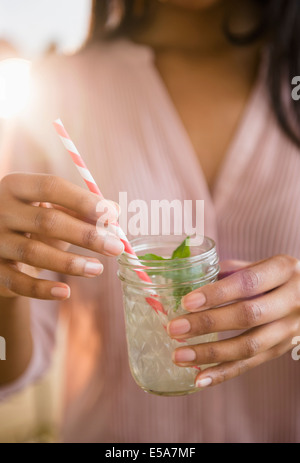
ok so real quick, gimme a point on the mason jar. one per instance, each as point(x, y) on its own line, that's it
point(152, 292)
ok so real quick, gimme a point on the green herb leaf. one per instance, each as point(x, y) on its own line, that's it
point(178, 276)
point(178, 294)
point(151, 257)
point(182, 251)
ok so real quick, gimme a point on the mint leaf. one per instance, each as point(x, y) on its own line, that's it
point(151, 257)
point(180, 275)
point(178, 294)
point(182, 251)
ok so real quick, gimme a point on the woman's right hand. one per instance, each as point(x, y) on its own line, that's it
point(36, 236)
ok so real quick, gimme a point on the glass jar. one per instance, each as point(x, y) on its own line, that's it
point(149, 305)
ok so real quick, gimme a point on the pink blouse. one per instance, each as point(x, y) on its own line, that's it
point(117, 110)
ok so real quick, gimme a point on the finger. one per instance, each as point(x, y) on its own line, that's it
point(69, 212)
point(107, 212)
point(37, 254)
point(58, 244)
point(21, 284)
point(56, 224)
point(251, 281)
point(227, 267)
point(228, 370)
point(241, 315)
point(49, 188)
point(244, 346)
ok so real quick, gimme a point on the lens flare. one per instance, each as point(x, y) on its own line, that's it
point(14, 86)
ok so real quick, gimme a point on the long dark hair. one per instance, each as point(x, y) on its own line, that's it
point(279, 24)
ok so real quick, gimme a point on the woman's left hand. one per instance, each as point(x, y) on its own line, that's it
point(261, 298)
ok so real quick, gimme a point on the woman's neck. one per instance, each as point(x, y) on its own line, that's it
point(178, 29)
point(208, 78)
point(196, 32)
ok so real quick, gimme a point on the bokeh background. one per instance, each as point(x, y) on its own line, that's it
point(30, 29)
point(33, 26)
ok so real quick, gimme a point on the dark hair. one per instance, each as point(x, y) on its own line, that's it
point(279, 24)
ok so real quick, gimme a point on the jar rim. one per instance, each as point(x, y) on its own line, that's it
point(183, 260)
point(208, 257)
point(210, 276)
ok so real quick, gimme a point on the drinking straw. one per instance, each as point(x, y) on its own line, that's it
point(86, 175)
point(92, 186)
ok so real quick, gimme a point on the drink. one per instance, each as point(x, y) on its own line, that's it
point(149, 346)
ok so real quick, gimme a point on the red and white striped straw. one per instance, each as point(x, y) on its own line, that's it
point(78, 161)
point(92, 186)
point(85, 174)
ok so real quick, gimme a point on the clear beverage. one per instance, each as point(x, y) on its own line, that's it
point(149, 346)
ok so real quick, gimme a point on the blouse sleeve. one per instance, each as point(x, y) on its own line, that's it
point(43, 328)
point(30, 144)
point(19, 153)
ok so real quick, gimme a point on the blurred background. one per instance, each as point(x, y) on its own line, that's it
point(29, 29)
point(34, 26)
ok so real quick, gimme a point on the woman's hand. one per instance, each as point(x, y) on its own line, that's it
point(263, 299)
point(36, 236)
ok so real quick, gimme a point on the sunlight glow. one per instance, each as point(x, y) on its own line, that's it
point(14, 86)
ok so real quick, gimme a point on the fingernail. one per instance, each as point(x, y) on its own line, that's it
point(184, 355)
point(203, 382)
point(113, 246)
point(193, 301)
point(180, 326)
point(93, 268)
point(109, 211)
point(117, 206)
point(60, 292)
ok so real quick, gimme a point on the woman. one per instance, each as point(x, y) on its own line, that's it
point(177, 99)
